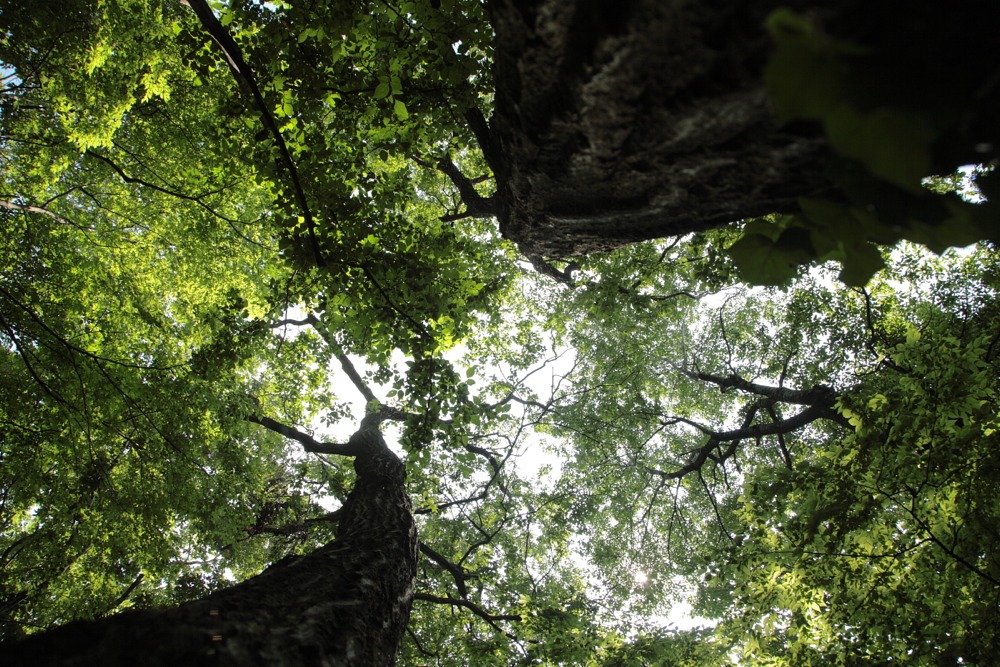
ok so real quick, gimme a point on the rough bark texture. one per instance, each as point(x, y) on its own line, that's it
point(347, 603)
point(622, 121)
point(617, 122)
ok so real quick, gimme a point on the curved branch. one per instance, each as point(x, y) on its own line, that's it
point(811, 396)
point(243, 74)
point(133, 180)
point(486, 454)
point(458, 574)
point(128, 592)
point(420, 647)
point(477, 206)
point(418, 328)
point(564, 276)
point(309, 443)
point(747, 431)
point(26, 208)
point(471, 606)
point(387, 412)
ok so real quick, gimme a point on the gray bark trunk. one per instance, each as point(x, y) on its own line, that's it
point(619, 122)
point(616, 122)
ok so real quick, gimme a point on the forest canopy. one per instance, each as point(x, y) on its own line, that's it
point(242, 241)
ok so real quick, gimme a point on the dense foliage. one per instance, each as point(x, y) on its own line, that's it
point(222, 231)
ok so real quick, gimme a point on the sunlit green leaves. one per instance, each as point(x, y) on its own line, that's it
point(877, 524)
point(155, 231)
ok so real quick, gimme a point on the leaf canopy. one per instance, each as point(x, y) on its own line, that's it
point(192, 270)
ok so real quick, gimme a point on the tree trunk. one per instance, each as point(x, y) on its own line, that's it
point(347, 603)
point(616, 122)
point(619, 122)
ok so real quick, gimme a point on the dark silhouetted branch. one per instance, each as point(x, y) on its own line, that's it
point(245, 76)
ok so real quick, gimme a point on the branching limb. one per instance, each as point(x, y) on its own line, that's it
point(476, 205)
point(388, 412)
point(345, 362)
point(564, 276)
point(417, 327)
point(911, 509)
point(420, 647)
point(196, 199)
point(486, 454)
point(715, 507)
point(748, 430)
point(244, 75)
point(309, 443)
point(458, 574)
point(75, 349)
point(25, 208)
point(812, 396)
point(492, 619)
point(874, 335)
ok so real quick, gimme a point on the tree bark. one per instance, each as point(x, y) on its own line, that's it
point(617, 122)
point(347, 603)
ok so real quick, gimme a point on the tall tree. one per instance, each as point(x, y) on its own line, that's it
point(214, 208)
point(346, 603)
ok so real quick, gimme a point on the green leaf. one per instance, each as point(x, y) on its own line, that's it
point(860, 263)
point(804, 75)
point(893, 144)
point(763, 261)
point(400, 110)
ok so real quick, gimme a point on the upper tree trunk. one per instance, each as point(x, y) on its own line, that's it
point(622, 121)
point(347, 603)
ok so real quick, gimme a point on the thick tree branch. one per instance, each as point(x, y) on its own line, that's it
point(486, 454)
point(747, 431)
point(814, 395)
point(787, 425)
point(477, 206)
point(310, 444)
point(565, 276)
point(484, 137)
point(458, 574)
point(471, 606)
